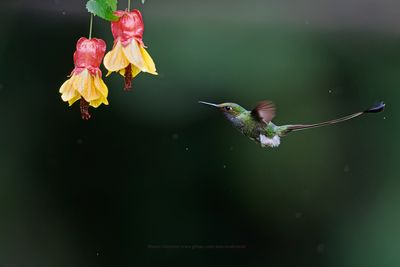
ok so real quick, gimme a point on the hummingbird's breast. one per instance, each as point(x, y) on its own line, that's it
point(251, 127)
point(247, 125)
point(254, 131)
point(259, 132)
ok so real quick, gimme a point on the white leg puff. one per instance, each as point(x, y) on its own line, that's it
point(271, 142)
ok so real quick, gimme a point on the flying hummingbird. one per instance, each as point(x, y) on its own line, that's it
point(257, 123)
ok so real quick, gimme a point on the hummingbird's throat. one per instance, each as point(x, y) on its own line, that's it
point(234, 120)
point(128, 78)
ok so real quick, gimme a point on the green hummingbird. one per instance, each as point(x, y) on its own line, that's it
point(257, 123)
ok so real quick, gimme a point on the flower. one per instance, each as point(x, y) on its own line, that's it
point(85, 82)
point(128, 56)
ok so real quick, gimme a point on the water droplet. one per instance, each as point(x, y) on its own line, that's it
point(175, 136)
point(97, 254)
point(64, 13)
point(79, 141)
point(330, 91)
point(187, 149)
point(320, 248)
point(383, 117)
point(298, 215)
point(224, 166)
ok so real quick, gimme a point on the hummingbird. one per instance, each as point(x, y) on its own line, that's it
point(258, 126)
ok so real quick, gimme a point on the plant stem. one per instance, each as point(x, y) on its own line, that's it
point(91, 26)
point(129, 5)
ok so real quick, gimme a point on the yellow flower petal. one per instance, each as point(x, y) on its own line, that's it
point(97, 102)
point(67, 91)
point(81, 81)
point(74, 99)
point(133, 54)
point(84, 84)
point(135, 71)
point(150, 66)
point(102, 90)
point(91, 88)
point(115, 60)
point(101, 86)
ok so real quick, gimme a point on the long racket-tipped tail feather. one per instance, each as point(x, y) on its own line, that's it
point(297, 127)
point(378, 107)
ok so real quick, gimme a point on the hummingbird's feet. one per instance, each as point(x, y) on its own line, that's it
point(84, 107)
point(128, 78)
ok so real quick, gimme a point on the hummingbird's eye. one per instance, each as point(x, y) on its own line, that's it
point(228, 108)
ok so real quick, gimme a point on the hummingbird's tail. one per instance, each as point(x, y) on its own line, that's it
point(297, 127)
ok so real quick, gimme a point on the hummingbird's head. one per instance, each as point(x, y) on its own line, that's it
point(230, 110)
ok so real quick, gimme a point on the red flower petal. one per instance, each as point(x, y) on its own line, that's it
point(89, 53)
point(130, 25)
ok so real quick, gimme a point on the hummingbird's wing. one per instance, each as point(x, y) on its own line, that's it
point(264, 111)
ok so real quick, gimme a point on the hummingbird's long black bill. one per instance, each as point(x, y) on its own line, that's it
point(210, 104)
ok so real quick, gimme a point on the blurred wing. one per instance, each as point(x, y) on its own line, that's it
point(264, 111)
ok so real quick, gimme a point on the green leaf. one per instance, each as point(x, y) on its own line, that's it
point(112, 4)
point(103, 8)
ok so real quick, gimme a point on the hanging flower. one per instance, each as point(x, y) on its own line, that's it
point(85, 82)
point(128, 56)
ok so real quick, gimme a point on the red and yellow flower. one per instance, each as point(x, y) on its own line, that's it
point(128, 56)
point(86, 83)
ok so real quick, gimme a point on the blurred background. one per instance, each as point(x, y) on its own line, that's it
point(155, 179)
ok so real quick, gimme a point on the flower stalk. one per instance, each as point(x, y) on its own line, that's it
point(91, 26)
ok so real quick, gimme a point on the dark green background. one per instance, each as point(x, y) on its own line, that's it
point(155, 168)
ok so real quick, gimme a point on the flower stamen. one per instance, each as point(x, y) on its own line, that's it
point(128, 78)
point(84, 107)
